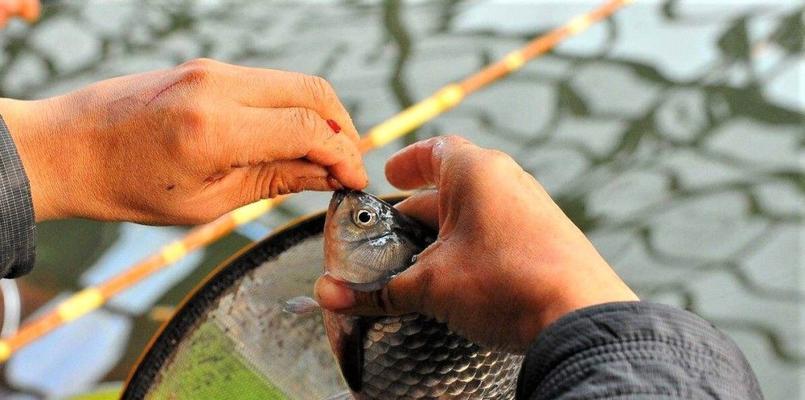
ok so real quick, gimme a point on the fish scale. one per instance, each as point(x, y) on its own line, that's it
point(416, 357)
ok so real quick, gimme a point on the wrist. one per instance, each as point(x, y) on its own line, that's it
point(44, 157)
point(595, 286)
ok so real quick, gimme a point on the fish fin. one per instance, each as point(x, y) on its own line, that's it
point(300, 305)
point(346, 334)
point(346, 395)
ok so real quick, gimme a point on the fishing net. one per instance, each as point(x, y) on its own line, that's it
point(232, 340)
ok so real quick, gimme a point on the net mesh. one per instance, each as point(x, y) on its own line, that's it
point(232, 340)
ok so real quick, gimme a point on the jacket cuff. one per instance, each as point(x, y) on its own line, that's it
point(17, 223)
point(634, 349)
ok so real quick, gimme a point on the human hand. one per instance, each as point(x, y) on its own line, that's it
point(183, 145)
point(507, 261)
point(27, 9)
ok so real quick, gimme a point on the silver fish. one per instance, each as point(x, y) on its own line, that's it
point(367, 242)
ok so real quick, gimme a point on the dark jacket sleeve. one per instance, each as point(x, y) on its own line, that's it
point(635, 350)
point(17, 229)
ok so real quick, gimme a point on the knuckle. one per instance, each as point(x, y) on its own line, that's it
point(454, 140)
point(264, 184)
point(390, 304)
point(271, 182)
point(196, 71)
point(185, 81)
point(290, 185)
point(458, 149)
point(496, 157)
point(200, 63)
point(318, 87)
point(277, 187)
point(193, 119)
point(487, 162)
point(191, 137)
point(427, 288)
point(469, 166)
point(306, 120)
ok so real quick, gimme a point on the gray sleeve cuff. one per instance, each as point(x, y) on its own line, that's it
point(635, 350)
point(17, 224)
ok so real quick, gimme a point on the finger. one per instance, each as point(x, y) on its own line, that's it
point(14, 7)
point(245, 185)
point(422, 206)
point(332, 295)
point(404, 294)
point(242, 186)
point(267, 88)
point(420, 164)
point(335, 296)
point(30, 10)
point(4, 16)
point(278, 178)
point(10, 7)
point(257, 136)
point(343, 159)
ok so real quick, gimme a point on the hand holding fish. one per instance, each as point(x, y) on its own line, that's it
point(183, 145)
point(507, 262)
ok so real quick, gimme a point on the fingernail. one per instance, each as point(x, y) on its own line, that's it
point(438, 148)
point(334, 183)
point(334, 125)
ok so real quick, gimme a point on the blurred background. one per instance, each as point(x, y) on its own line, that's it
point(671, 133)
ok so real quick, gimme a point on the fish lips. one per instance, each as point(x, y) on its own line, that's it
point(338, 197)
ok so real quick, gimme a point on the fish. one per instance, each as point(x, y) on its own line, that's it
point(366, 243)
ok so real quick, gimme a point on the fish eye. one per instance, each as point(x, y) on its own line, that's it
point(364, 217)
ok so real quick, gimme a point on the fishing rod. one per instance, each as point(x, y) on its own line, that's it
point(395, 127)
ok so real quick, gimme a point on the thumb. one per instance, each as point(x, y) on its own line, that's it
point(402, 295)
point(30, 10)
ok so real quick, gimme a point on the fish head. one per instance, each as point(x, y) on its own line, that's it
point(367, 241)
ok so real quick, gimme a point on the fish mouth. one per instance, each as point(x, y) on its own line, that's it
point(338, 197)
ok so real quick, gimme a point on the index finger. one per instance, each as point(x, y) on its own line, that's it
point(258, 135)
point(29, 10)
point(281, 89)
point(420, 164)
